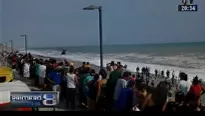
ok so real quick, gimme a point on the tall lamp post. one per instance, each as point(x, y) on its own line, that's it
point(25, 42)
point(11, 44)
point(99, 8)
point(6, 46)
point(1, 47)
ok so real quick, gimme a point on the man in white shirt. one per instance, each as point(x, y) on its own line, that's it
point(42, 74)
point(26, 70)
point(184, 83)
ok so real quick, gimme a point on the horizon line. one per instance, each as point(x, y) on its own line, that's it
point(116, 45)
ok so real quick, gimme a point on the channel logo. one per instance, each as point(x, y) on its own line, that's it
point(49, 100)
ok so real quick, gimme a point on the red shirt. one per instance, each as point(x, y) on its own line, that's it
point(14, 59)
point(196, 90)
point(55, 65)
point(134, 78)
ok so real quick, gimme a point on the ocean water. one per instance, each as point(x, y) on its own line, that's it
point(187, 57)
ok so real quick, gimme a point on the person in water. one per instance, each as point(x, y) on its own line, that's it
point(63, 52)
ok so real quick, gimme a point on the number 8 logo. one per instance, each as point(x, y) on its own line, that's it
point(49, 100)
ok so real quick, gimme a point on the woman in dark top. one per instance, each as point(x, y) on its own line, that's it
point(63, 84)
point(178, 104)
point(156, 100)
point(92, 93)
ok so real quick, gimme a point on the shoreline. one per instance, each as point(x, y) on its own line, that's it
point(132, 65)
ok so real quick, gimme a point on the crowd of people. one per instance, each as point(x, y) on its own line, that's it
point(113, 88)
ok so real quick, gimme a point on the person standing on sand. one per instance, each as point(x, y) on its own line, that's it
point(37, 72)
point(42, 74)
point(55, 79)
point(92, 92)
point(86, 81)
point(26, 71)
point(148, 71)
point(184, 84)
point(110, 65)
point(173, 81)
point(156, 73)
point(168, 73)
point(21, 64)
point(162, 73)
point(137, 72)
point(71, 88)
point(101, 93)
point(125, 100)
point(84, 72)
point(143, 71)
point(111, 83)
point(113, 66)
point(88, 65)
point(121, 83)
point(49, 69)
point(14, 61)
point(173, 75)
point(155, 100)
point(63, 84)
point(196, 90)
point(32, 68)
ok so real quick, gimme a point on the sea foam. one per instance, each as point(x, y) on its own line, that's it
point(153, 62)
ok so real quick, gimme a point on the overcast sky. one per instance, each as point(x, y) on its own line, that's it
point(64, 23)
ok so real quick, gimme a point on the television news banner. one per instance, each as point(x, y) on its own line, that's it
point(34, 99)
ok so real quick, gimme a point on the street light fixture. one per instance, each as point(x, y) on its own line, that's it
point(99, 8)
point(25, 42)
point(92, 7)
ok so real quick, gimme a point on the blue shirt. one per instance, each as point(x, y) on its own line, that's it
point(85, 87)
point(125, 100)
point(55, 77)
